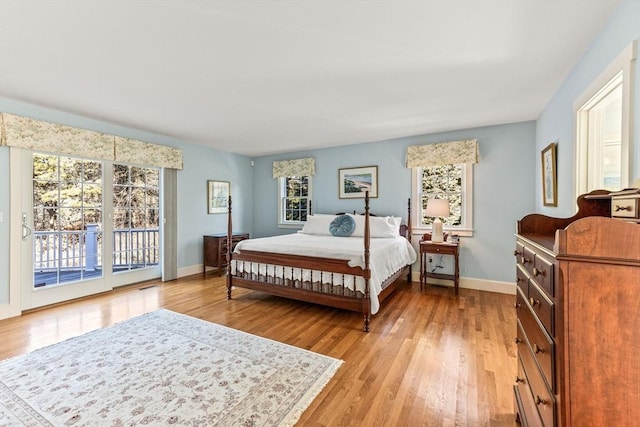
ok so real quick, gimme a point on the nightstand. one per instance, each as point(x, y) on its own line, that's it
point(440, 248)
point(215, 250)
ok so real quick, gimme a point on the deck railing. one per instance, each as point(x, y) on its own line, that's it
point(82, 249)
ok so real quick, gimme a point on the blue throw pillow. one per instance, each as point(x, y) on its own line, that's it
point(342, 226)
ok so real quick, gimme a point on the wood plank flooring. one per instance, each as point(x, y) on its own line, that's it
point(431, 359)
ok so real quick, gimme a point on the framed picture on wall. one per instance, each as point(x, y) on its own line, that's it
point(218, 196)
point(354, 182)
point(549, 176)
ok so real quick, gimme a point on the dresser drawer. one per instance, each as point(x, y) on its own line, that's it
point(625, 207)
point(526, 405)
point(542, 272)
point(543, 400)
point(527, 259)
point(542, 306)
point(539, 342)
point(521, 279)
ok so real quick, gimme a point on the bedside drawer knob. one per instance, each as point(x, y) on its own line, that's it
point(516, 305)
point(516, 253)
point(623, 208)
point(537, 272)
point(517, 340)
point(524, 261)
point(539, 400)
point(519, 380)
point(537, 349)
point(534, 302)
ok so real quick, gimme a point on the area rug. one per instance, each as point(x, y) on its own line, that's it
point(162, 368)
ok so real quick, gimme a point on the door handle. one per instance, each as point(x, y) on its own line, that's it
point(26, 230)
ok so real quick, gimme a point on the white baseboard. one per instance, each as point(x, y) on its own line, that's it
point(8, 310)
point(190, 270)
point(476, 284)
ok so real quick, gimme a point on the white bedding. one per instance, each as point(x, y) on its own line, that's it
point(387, 255)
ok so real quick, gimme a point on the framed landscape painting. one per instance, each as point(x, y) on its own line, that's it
point(549, 176)
point(218, 196)
point(354, 182)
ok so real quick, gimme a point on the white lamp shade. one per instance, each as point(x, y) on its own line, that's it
point(437, 208)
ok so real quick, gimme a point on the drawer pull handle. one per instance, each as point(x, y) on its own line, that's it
point(539, 400)
point(623, 208)
point(534, 302)
point(517, 340)
point(516, 253)
point(516, 305)
point(537, 349)
point(519, 380)
point(524, 261)
point(537, 272)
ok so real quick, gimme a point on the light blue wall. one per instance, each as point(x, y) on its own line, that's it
point(4, 225)
point(503, 183)
point(556, 123)
point(200, 164)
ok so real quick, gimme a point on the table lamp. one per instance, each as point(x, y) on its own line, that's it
point(437, 208)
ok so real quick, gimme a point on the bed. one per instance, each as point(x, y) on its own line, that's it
point(355, 272)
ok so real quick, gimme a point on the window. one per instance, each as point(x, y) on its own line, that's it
point(67, 219)
point(453, 182)
point(603, 129)
point(136, 217)
point(294, 196)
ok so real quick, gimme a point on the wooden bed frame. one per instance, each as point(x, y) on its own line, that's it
point(358, 303)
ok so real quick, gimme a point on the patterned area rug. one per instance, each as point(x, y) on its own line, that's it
point(162, 368)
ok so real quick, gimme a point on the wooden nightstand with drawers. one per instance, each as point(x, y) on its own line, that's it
point(215, 250)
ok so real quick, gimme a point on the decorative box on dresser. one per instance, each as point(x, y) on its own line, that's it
point(578, 328)
point(215, 250)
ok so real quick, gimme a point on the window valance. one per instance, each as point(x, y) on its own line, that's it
point(297, 167)
point(147, 154)
point(38, 135)
point(443, 153)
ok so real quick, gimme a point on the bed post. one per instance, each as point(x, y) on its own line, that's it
point(366, 302)
point(229, 248)
point(409, 233)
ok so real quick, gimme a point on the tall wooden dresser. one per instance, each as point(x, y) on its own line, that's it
point(578, 328)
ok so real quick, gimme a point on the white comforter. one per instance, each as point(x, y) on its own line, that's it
point(387, 255)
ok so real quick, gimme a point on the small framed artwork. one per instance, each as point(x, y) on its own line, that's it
point(354, 182)
point(549, 176)
point(218, 196)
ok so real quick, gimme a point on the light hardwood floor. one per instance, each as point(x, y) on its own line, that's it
point(430, 359)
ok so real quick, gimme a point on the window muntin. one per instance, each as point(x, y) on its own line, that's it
point(294, 196)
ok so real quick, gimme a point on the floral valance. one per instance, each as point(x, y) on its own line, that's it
point(38, 135)
point(297, 167)
point(443, 153)
point(147, 154)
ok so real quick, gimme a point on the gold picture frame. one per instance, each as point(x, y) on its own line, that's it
point(354, 182)
point(549, 175)
point(218, 196)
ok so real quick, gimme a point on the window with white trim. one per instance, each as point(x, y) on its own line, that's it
point(603, 128)
point(453, 182)
point(294, 194)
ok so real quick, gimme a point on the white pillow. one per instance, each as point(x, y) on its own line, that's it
point(379, 226)
point(317, 224)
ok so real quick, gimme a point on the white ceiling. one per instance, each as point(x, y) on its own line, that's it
point(264, 77)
